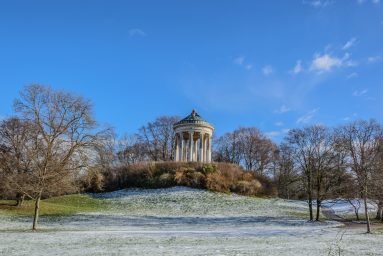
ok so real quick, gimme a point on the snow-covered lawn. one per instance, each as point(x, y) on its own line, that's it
point(343, 208)
point(184, 221)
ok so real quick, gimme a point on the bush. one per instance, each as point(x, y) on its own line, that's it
point(220, 177)
point(247, 187)
point(190, 177)
point(217, 182)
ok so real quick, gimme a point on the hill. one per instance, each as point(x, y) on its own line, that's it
point(180, 221)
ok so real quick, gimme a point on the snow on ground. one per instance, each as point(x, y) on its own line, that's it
point(344, 208)
point(184, 221)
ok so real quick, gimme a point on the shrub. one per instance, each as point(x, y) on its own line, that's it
point(221, 177)
point(190, 177)
point(247, 187)
point(217, 182)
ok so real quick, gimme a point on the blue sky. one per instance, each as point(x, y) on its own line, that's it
point(275, 65)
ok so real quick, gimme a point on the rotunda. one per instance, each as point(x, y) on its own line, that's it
point(193, 139)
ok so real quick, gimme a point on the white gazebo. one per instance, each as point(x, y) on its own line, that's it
point(193, 139)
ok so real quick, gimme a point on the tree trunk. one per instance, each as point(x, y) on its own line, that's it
point(310, 196)
point(357, 214)
point(319, 203)
point(37, 210)
point(366, 211)
point(20, 200)
point(379, 212)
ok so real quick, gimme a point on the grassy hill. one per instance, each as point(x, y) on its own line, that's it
point(175, 221)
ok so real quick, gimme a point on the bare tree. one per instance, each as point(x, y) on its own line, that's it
point(286, 176)
point(15, 160)
point(312, 151)
point(158, 138)
point(361, 140)
point(131, 150)
point(226, 148)
point(255, 149)
point(63, 131)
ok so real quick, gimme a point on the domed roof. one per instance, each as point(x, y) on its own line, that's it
point(193, 118)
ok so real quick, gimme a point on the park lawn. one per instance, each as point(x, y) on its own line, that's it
point(62, 205)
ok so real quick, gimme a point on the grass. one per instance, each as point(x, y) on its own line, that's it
point(57, 206)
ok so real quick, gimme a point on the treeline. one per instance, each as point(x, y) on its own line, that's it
point(315, 163)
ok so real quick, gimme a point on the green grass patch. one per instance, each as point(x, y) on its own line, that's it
point(62, 205)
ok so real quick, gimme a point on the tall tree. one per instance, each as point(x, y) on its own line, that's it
point(312, 151)
point(158, 138)
point(361, 141)
point(64, 130)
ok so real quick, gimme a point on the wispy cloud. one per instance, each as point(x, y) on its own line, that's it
point(326, 62)
point(282, 109)
point(241, 61)
point(358, 93)
point(318, 3)
point(348, 118)
point(267, 70)
point(297, 68)
point(352, 75)
point(366, 1)
point(307, 117)
point(137, 32)
point(373, 59)
point(350, 43)
point(279, 123)
point(274, 134)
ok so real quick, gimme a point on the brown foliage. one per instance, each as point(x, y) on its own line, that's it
point(220, 177)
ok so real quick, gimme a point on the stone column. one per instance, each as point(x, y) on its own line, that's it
point(190, 146)
point(177, 148)
point(209, 150)
point(200, 157)
point(203, 148)
point(182, 148)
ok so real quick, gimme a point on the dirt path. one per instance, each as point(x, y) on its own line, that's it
point(331, 215)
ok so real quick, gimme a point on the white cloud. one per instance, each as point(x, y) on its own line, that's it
point(249, 66)
point(272, 134)
point(239, 60)
point(267, 70)
point(318, 3)
point(350, 43)
point(365, 1)
point(136, 32)
point(279, 123)
point(373, 59)
point(352, 75)
point(357, 93)
point(297, 68)
point(326, 62)
point(282, 109)
point(307, 117)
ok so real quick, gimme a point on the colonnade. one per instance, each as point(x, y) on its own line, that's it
point(192, 146)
